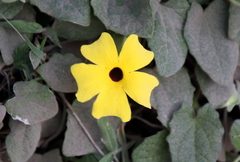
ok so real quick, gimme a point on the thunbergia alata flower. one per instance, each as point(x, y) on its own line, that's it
point(112, 77)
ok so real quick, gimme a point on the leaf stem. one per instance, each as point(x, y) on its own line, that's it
point(237, 160)
point(13, 27)
point(80, 123)
point(148, 123)
point(235, 2)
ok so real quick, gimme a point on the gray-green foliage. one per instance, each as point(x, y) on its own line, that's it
point(22, 141)
point(167, 41)
point(154, 149)
point(170, 94)
point(33, 103)
point(235, 131)
point(57, 72)
point(196, 50)
point(206, 35)
point(194, 136)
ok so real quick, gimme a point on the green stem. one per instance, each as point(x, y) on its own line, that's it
point(237, 160)
point(13, 27)
point(235, 2)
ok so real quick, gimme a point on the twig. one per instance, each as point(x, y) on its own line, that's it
point(127, 146)
point(80, 123)
point(148, 123)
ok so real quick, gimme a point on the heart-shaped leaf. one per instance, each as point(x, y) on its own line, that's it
point(73, 11)
point(125, 17)
point(167, 42)
point(195, 137)
point(57, 73)
point(33, 103)
point(169, 95)
point(22, 141)
point(206, 36)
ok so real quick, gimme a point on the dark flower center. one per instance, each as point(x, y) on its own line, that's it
point(116, 74)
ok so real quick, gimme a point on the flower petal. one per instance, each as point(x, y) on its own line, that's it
point(112, 101)
point(138, 86)
point(133, 55)
point(91, 79)
point(102, 52)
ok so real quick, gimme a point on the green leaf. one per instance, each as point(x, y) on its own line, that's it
point(42, 43)
point(35, 61)
point(76, 143)
point(33, 103)
point(206, 35)
point(73, 31)
point(52, 35)
point(216, 94)
point(167, 42)
point(195, 137)
point(9, 10)
point(108, 134)
point(125, 17)
point(22, 141)
point(2, 115)
point(87, 158)
point(121, 137)
point(107, 158)
point(56, 72)
point(154, 148)
point(20, 57)
point(77, 12)
point(235, 134)
point(34, 49)
point(168, 96)
point(23, 26)
point(50, 156)
point(234, 23)
point(22, 61)
point(232, 101)
point(9, 41)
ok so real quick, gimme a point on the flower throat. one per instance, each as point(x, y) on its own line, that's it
point(116, 74)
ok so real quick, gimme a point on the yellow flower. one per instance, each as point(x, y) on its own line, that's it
point(112, 76)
